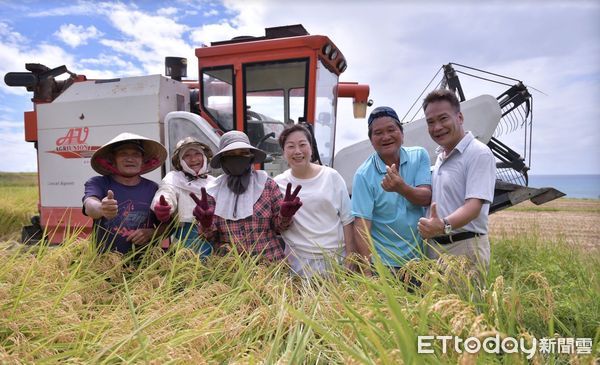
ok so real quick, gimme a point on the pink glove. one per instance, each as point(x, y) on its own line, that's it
point(203, 213)
point(162, 210)
point(290, 203)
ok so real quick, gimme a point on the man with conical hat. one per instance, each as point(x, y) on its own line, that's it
point(190, 162)
point(119, 200)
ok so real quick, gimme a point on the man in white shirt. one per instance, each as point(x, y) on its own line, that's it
point(463, 180)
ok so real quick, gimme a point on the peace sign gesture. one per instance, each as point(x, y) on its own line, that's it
point(203, 213)
point(291, 202)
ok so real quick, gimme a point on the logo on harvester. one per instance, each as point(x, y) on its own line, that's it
point(72, 144)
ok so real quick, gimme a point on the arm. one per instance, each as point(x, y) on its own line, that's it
point(362, 244)
point(434, 225)
point(96, 208)
point(418, 195)
point(349, 238)
point(466, 213)
point(169, 192)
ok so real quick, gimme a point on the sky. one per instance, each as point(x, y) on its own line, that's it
point(396, 47)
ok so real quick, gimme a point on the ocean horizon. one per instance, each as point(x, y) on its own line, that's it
point(574, 186)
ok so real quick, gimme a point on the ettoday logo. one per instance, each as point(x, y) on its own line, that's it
point(507, 345)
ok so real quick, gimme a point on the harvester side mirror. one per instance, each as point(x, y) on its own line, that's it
point(26, 79)
point(176, 67)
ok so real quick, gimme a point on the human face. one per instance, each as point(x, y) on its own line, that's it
point(194, 159)
point(128, 160)
point(445, 124)
point(386, 138)
point(297, 151)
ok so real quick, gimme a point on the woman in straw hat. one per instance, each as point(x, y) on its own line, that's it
point(244, 209)
point(190, 161)
point(119, 200)
point(322, 230)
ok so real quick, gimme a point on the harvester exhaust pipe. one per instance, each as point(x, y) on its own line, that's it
point(176, 67)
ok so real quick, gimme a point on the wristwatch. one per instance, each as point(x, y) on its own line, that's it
point(447, 227)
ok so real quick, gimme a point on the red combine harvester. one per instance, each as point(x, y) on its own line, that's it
point(258, 85)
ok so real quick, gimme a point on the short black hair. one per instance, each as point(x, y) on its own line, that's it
point(442, 95)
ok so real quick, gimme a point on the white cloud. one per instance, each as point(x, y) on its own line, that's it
point(167, 11)
point(148, 38)
point(22, 154)
point(211, 12)
point(394, 47)
point(80, 8)
point(76, 35)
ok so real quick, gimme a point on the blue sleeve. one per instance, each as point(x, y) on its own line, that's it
point(96, 186)
point(423, 175)
point(362, 198)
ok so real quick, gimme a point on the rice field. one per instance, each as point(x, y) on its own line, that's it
point(67, 304)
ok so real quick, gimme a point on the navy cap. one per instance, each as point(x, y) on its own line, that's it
point(384, 111)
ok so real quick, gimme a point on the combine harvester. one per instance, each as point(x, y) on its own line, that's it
point(258, 85)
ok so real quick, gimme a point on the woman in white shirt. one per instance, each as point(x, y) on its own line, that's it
point(190, 160)
point(321, 231)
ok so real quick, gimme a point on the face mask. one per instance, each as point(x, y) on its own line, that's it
point(235, 165)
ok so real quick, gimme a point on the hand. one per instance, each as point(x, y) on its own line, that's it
point(162, 210)
point(140, 236)
point(392, 181)
point(109, 206)
point(432, 226)
point(203, 213)
point(290, 203)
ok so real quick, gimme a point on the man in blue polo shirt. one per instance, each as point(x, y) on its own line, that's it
point(389, 193)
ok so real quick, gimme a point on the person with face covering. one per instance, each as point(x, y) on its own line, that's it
point(190, 161)
point(322, 231)
point(244, 208)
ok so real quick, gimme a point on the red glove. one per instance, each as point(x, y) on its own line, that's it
point(290, 203)
point(162, 210)
point(203, 213)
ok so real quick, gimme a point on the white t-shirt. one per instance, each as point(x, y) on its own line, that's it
point(318, 225)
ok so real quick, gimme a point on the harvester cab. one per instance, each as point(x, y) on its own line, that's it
point(258, 85)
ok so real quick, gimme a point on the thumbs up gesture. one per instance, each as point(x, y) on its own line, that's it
point(109, 206)
point(162, 210)
point(203, 212)
point(433, 211)
point(432, 226)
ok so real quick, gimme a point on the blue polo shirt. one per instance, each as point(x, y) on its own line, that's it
point(393, 218)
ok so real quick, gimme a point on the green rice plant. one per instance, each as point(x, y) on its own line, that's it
point(71, 304)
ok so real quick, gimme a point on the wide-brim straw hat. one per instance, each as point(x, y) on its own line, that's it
point(155, 153)
point(236, 140)
point(183, 145)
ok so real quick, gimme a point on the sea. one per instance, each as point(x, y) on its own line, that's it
point(575, 186)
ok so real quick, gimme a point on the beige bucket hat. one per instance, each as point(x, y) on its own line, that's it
point(155, 153)
point(236, 140)
point(189, 142)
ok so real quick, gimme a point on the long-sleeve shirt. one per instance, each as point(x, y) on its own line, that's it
point(255, 235)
